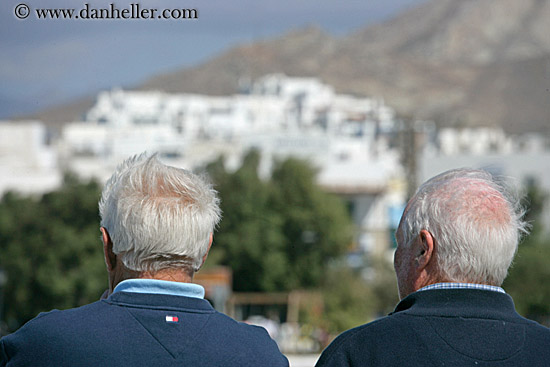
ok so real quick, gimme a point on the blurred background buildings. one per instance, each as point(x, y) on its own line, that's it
point(359, 146)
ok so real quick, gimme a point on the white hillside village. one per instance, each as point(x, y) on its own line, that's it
point(353, 142)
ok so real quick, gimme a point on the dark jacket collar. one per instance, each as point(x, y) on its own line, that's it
point(459, 302)
point(160, 301)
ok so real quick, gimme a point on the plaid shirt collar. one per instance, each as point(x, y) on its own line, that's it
point(484, 287)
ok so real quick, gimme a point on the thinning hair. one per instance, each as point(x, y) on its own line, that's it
point(476, 221)
point(158, 216)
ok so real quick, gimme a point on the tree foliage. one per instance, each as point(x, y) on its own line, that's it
point(277, 234)
point(527, 281)
point(50, 250)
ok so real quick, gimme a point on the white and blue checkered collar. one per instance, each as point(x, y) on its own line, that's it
point(484, 287)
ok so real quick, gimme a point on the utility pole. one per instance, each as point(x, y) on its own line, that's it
point(409, 154)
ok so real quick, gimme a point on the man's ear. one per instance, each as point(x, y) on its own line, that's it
point(209, 245)
point(425, 250)
point(110, 257)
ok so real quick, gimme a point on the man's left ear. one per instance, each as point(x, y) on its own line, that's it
point(207, 251)
point(425, 249)
point(110, 257)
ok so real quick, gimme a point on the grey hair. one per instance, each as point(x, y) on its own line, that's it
point(476, 221)
point(158, 216)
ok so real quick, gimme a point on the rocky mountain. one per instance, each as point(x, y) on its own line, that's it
point(459, 62)
point(298, 53)
point(467, 62)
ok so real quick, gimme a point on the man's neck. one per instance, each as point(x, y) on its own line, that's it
point(172, 275)
point(181, 275)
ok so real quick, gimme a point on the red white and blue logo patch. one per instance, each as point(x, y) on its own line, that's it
point(172, 319)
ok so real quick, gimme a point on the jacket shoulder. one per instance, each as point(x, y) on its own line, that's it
point(339, 351)
point(241, 338)
point(42, 332)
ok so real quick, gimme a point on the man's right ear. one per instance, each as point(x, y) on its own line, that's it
point(110, 257)
point(426, 248)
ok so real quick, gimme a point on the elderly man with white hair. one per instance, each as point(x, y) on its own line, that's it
point(457, 238)
point(157, 224)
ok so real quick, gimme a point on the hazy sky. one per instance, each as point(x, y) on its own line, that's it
point(46, 61)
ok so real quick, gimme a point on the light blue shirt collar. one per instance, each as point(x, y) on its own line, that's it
point(155, 286)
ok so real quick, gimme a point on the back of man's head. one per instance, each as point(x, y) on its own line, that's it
point(475, 220)
point(158, 216)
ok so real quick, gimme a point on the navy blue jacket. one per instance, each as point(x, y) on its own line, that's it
point(133, 329)
point(447, 327)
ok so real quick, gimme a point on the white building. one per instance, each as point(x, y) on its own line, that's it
point(28, 162)
point(519, 158)
point(125, 122)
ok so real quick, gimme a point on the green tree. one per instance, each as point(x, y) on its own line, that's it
point(316, 225)
point(248, 239)
point(356, 296)
point(50, 250)
point(527, 281)
point(277, 234)
point(383, 284)
point(349, 301)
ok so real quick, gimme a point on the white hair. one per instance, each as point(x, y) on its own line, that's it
point(476, 221)
point(158, 216)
